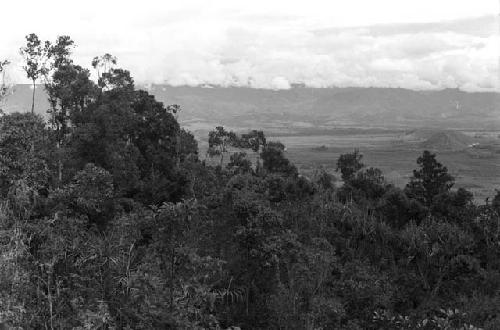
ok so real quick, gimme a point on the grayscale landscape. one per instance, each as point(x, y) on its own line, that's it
point(390, 126)
point(250, 165)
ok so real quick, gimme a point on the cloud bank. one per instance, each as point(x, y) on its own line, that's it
point(282, 43)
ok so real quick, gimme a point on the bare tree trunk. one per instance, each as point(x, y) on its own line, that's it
point(33, 98)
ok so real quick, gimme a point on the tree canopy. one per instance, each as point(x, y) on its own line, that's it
point(109, 219)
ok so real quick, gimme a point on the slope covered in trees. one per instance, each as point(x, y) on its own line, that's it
point(109, 220)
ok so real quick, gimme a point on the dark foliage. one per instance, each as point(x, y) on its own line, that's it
point(110, 221)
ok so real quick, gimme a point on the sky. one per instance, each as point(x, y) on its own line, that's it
point(415, 44)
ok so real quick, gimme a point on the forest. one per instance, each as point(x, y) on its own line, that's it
point(111, 219)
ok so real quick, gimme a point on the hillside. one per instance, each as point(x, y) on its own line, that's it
point(300, 108)
point(447, 140)
point(334, 107)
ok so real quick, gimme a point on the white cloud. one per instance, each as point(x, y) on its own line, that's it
point(280, 83)
point(272, 44)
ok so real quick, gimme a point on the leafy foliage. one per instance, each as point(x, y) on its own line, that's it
point(430, 180)
point(108, 220)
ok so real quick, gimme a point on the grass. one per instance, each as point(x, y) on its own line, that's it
point(481, 175)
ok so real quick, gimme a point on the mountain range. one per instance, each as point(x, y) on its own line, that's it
point(302, 108)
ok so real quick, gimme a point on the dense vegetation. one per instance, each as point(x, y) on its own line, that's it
point(110, 220)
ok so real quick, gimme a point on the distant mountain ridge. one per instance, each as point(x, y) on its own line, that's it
point(304, 107)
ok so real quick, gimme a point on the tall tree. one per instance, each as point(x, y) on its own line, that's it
point(68, 88)
point(36, 55)
point(218, 142)
point(430, 180)
point(349, 164)
point(60, 51)
point(274, 160)
point(103, 64)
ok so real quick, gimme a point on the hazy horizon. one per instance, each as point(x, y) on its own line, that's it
point(293, 85)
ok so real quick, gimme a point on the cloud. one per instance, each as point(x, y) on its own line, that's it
point(267, 58)
point(484, 26)
point(280, 83)
point(275, 44)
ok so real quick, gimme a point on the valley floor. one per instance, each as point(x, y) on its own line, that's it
point(476, 168)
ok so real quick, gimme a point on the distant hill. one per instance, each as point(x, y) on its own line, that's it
point(334, 107)
point(301, 108)
point(447, 140)
point(418, 135)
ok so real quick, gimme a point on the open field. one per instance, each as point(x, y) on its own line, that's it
point(472, 168)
